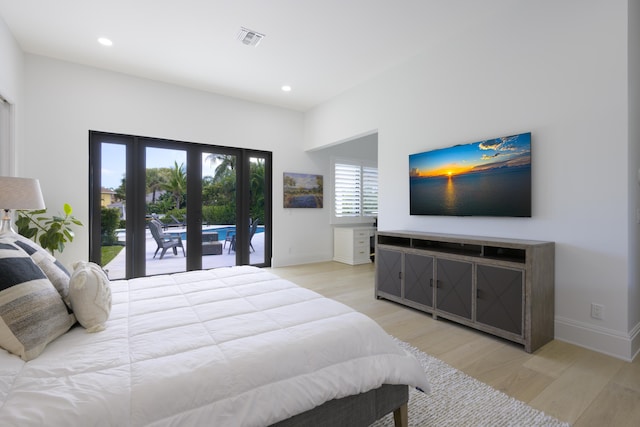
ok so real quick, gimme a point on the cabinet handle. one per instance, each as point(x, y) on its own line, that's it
point(400, 275)
point(478, 294)
point(431, 283)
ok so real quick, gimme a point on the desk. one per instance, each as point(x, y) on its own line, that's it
point(352, 245)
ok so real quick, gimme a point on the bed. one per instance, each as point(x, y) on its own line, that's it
point(234, 346)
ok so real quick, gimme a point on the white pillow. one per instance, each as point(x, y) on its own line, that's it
point(90, 295)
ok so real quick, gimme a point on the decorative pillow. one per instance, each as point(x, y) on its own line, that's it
point(32, 313)
point(90, 295)
point(55, 271)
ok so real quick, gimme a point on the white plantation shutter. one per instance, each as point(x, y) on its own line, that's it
point(348, 186)
point(369, 191)
point(355, 190)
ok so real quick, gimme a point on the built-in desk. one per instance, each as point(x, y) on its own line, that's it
point(352, 245)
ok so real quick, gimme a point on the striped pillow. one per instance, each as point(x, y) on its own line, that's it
point(32, 313)
point(55, 271)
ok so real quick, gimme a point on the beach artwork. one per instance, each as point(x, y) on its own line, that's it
point(302, 190)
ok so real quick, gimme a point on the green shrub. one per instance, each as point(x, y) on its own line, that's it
point(109, 222)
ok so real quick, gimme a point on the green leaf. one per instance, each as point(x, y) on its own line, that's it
point(51, 232)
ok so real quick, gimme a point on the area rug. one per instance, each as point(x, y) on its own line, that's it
point(457, 399)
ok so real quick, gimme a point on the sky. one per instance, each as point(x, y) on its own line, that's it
point(114, 160)
point(304, 180)
point(478, 156)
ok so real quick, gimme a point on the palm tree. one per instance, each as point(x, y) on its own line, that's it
point(177, 183)
point(256, 188)
point(155, 182)
point(121, 191)
point(226, 166)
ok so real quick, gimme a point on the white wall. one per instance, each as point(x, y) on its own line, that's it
point(64, 101)
point(557, 69)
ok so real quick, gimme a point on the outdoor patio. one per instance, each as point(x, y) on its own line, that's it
point(171, 263)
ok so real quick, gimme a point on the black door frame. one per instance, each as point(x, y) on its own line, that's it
point(136, 191)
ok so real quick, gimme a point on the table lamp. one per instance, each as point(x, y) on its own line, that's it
point(18, 193)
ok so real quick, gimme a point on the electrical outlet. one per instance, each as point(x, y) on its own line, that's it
point(597, 311)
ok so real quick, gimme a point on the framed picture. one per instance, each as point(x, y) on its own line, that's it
point(302, 190)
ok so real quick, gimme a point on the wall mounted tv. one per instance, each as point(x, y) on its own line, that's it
point(484, 178)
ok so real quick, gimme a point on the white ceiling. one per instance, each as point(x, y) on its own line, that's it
point(320, 48)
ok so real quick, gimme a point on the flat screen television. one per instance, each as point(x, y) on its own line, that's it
point(484, 178)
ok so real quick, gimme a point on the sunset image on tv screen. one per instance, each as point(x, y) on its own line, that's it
point(484, 178)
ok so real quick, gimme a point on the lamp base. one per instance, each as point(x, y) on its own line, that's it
point(5, 226)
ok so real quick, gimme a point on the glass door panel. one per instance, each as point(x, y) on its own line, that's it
point(166, 212)
point(112, 209)
point(218, 209)
point(257, 197)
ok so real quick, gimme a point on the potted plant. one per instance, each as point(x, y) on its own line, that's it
point(49, 232)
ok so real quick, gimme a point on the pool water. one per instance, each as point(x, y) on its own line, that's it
point(222, 231)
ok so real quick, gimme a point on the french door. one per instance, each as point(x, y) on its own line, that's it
point(161, 206)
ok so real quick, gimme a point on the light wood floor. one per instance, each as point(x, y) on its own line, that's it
point(573, 384)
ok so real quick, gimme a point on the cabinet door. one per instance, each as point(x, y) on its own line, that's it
point(499, 297)
point(453, 292)
point(418, 279)
point(389, 268)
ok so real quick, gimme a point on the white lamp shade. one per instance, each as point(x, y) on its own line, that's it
point(20, 193)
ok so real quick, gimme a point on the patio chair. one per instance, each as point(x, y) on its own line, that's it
point(164, 241)
point(254, 227)
point(176, 222)
point(231, 237)
point(172, 221)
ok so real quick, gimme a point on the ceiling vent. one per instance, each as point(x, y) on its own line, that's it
point(249, 37)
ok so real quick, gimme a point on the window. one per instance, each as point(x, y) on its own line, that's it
point(355, 191)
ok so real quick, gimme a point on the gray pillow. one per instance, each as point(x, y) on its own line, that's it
point(32, 313)
point(55, 271)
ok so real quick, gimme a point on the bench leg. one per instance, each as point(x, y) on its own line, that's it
point(401, 416)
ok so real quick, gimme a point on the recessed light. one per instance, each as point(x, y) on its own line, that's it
point(105, 41)
point(286, 88)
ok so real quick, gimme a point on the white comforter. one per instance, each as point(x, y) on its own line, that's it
point(226, 347)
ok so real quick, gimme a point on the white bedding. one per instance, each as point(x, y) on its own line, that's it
point(226, 347)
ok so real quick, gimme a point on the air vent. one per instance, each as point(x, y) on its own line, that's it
point(249, 37)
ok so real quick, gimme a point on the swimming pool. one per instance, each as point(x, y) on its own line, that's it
point(221, 230)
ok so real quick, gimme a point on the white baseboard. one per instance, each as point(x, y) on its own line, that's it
point(613, 343)
point(298, 260)
point(635, 341)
